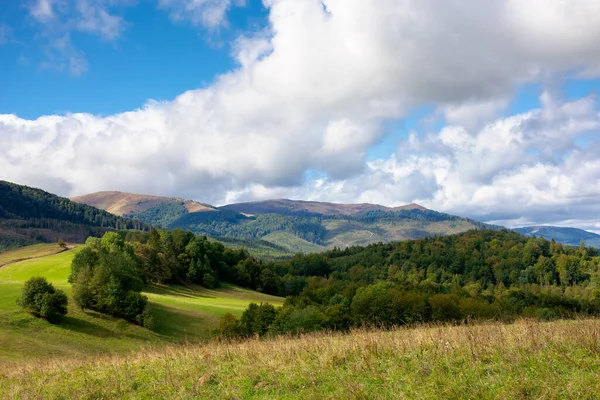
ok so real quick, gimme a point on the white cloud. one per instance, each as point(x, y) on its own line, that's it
point(207, 13)
point(314, 91)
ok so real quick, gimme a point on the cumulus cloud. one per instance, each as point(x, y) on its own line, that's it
point(314, 92)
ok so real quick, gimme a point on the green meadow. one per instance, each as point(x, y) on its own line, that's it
point(182, 314)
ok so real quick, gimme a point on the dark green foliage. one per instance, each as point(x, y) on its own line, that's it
point(257, 319)
point(163, 214)
point(107, 277)
point(229, 224)
point(43, 300)
point(29, 215)
point(475, 275)
point(229, 327)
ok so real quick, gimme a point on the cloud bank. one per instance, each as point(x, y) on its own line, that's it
point(314, 92)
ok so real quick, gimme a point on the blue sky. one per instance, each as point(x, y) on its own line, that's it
point(474, 108)
point(154, 58)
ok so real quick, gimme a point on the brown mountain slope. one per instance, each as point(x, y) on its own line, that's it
point(121, 203)
point(285, 206)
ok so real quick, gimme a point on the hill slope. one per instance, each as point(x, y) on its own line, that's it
point(154, 210)
point(300, 207)
point(291, 225)
point(121, 203)
point(183, 314)
point(29, 215)
point(570, 236)
point(527, 359)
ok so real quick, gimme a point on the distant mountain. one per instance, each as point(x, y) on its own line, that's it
point(291, 226)
point(29, 215)
point(155, 210)
point(571, 236)
point(299, 207)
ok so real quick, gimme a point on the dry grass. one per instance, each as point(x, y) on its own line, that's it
point(527, 359)
point(120, 203)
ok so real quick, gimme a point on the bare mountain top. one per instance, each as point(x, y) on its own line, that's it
point(285, 206)
point(121, 203)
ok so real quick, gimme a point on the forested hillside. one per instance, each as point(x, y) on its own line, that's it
point(290, 226)
point(479, 274)
point(29, 215)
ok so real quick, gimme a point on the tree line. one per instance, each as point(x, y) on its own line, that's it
point(485, 274)
point(476, 275)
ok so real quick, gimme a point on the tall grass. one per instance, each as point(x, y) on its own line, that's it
point(527, 359)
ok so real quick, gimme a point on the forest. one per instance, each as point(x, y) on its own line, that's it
point(29, 215)
point(480, 274)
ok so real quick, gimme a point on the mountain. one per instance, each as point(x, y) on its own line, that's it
point(565, 235)
point(278, 227)
point(155, 210)
point(299, 207)
point(29, 215)
point(125, 203)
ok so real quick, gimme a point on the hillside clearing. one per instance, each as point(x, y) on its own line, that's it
point(28, 252)
point(182, 313)
point(489, 361)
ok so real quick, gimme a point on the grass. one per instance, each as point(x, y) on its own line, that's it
point(293, 243)
point(182, 314)
point(55, 268)
point(23, 253)
point(527, 359)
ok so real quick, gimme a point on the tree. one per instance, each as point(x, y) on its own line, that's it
point(43, 300)
point(107, 277)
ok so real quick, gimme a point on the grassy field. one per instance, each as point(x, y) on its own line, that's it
point(36, 250)
point(182, 314)
point(293, 243)
point(555, 360)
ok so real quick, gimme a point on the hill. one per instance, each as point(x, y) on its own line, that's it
point(29, 215)
point(527, 359)
point(570, 236)
point(299, 207)
point(154, 210)
point(121, 203)
point(291, 226)
point(183, 314)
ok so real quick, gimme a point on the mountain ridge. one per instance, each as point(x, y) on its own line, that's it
point(122, 203)
point(292, 225)
point(562, 234)
point(279, 206)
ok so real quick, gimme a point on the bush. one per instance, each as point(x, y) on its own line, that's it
point(229, 327)
point(546, 314)
point(41, 299)
point(444, 307)
point(305, 320)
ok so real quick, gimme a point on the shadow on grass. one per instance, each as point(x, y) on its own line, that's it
point(181, 325)
point(181, 291)
point(82, 326)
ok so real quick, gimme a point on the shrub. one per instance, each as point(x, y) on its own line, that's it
point(229, 327)
point(444, 307)
point(43, 300)
point(305, 320)
point(545, 314)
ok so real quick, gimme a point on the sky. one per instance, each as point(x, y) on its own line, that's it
point(486, 109)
